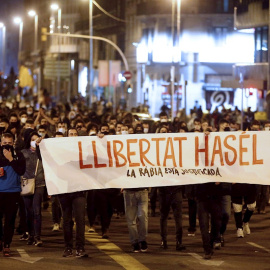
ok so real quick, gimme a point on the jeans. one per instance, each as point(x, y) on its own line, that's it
point(56, 209)
point(33, 211)
point(8, 210)
point(226, 212)
point(73, 203)
point(209, 206)
point(136, 209)
point(167, 201)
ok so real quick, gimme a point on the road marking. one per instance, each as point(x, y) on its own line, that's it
point(206, 262)
point(26, 257)
point(116, 253)
point(258, 246)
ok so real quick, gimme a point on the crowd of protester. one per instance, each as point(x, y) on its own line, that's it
point(22, 130)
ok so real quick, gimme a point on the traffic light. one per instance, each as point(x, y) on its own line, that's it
point(43, 34)
point(129, 88)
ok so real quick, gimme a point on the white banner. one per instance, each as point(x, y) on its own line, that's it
point(147, 160)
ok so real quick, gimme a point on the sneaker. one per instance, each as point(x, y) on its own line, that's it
point(105, 235)
point(164, 245)
point(38, 242)
point(144, 246)
point(30, 240)
point(80, 253)
point(67, 252)
point(91, 229)
point(240, 233)
point(6, 252)
point(191, 234)
point(217, 245)
point(246, 228)
point(56, 227)
point(208, 255)
point(24, 237)
point(136, 248)
point(179, 246)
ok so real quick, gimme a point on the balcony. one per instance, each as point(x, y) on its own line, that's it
point(257, 72)
point(252, 14)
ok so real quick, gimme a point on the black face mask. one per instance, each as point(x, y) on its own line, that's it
point(2, 129)
point(105, 132)
point(9, 148)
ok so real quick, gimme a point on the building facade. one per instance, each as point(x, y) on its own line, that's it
point(202, 51)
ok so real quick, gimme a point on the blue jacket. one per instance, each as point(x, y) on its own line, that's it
point(11, 181)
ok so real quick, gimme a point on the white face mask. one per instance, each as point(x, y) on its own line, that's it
point(23, 120)
point(145, 130)
point(63, 130)
point(163, 120)
point(92, 132)
point(41, 134)
point(33, 144)
point(124, 132)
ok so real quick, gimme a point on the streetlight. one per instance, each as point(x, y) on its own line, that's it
point(3, 27)
point(56, 7)
point(18, 20)
point(178, 20)
point(32, 13)
point(90, 78)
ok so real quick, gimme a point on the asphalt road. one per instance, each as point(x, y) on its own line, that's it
point(250, 252)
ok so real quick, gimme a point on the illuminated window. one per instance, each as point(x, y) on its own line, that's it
point(261, 45)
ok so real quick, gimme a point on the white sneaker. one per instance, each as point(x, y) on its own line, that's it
point(246, 228)
point(240, 233)
point(91, 230)
point(56, 227)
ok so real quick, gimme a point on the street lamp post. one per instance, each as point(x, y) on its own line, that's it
point(90, 78)
point(19, 21)
point(32, 13)
point(3, 27)
point(178, 20)
point(56, 7)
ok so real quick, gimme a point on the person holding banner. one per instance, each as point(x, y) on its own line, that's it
point(136, 210)
point(73, 204)
point(226, 200)
point(209, 203)
point(171, 197)
point(249, 193)
point(12, 166)
point(33, 202)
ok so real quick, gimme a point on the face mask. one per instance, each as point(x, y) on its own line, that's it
point(2, 129)
point(41, 134)
point(92, 132)
point(105, 132)
point(163, 120)
point(145, 130)
point(23, 120)
point(63, 130)
point(9, 148)
point(124, 132)
point(29, 112)
point(267, 128)
point(33, 144)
